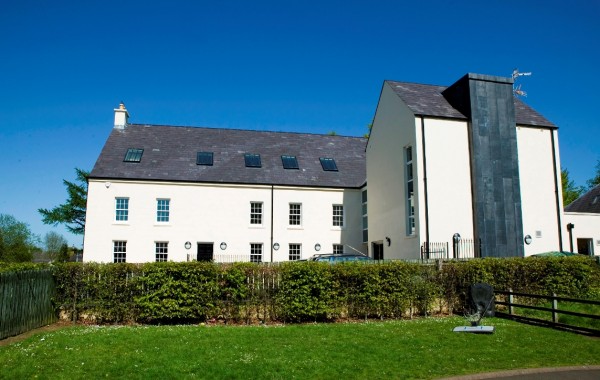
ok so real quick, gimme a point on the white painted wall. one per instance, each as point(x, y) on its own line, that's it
point(202, 213)
point(538, 195)
point(448, 180)
point(393, 129)
point(587, 226)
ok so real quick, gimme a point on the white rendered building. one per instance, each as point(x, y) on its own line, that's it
point(465, 170)
point(582, 222)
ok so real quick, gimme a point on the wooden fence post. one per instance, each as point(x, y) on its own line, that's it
point(510, 301)
point(554, 308)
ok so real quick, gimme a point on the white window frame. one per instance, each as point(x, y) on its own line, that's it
point(365, 216)
point(119, 251)
point(120, 209)
point(256, 252)
point(294, 251)
point(163, 215)
point(338, 249)
point(338, 218)
point(254, 215)
point(295, 215)
point(161, 248)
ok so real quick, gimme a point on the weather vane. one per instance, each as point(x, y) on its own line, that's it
point(517, 89)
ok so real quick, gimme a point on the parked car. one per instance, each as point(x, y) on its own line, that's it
point(340, 257)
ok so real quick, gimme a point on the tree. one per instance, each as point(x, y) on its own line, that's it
point(592, 182)
point(71, 213)
point(570, 192)
point(56, 246)
point(17, 242)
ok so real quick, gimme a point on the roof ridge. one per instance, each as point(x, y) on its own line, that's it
point(244, 130)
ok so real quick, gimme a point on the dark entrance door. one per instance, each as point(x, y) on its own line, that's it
point(377, 251)
point(205, 252)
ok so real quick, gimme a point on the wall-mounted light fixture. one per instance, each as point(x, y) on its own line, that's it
point(317, 247)
point(187, 245)
point(276, 246)
point(389, 241)
point(527, 239)
point(223, 246)
point(107, 184)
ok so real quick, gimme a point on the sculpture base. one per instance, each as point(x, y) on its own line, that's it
point(475, 329)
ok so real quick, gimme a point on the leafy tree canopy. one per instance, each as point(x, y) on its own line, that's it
point(56, 246)
point(570, 192)
point(17, 242)
point(72, 212)
point(592, 182)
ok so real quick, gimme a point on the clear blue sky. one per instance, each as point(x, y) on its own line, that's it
point(273, 65)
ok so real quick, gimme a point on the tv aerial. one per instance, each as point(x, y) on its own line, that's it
point(517, 89)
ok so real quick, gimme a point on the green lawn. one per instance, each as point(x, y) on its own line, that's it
point(418, 349)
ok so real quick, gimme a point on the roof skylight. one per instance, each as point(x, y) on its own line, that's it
point(252, 160)
point(289, 162)
point(204, 158)
point(133, 155)
point(328, 164)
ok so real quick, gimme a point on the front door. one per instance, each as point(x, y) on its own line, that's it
point(205, 252)
point(377, 251)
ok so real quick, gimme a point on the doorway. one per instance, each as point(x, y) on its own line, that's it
point(205, 252)
point(377, 251)
point(585, 246)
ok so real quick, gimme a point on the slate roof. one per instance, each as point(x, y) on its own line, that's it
point(427, 100)
point(588, 203)
point(170, 155)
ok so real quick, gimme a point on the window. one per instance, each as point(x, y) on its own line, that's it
point(289, 162)
point(162, 210)
point(122, 209)
point(295, 252)
point(256, 252)
point(338, 249)
point(328, 164)
point(133, 155)
point(338, 216)
point(119, 251)
point(162, 251)
point(365, 218)
point(295, 214)
point(256, 212)
point(410, 196)
point(252, 160)
point(204, 158)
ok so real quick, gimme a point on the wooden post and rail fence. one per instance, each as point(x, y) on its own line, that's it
point(511, 301)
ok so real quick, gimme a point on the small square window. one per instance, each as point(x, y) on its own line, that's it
point(122, 209)
point(204, 158)
point(256, 252)
point(338, 216)
point(328, 164)
point(256, 213)
point(295, 214)
point(252, 160)
point(133, 155)
point(338, 249)
point(289, 162)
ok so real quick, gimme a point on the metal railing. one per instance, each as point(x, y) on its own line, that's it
point(461, 249)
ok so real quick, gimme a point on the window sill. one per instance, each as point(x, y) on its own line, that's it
point(295, 228)
point(124, 223)
point(165, 224)
point(256, 226)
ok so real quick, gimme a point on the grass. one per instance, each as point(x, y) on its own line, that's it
point(565, 318)
point(418, 349)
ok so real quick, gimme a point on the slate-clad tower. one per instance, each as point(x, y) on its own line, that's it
point(488, 103)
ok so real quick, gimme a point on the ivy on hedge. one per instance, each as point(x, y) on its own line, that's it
point(302, 291)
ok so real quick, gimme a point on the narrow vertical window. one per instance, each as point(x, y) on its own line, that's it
point(121, 209)
point(365, 218)
point(256, 212)
point(295, 214)
point(163, 210)
point(410, 195)
point(338, 216)
point(338, 249)
point(161, 251)
point(295, 252)
point(119, 251)
point(256, 252)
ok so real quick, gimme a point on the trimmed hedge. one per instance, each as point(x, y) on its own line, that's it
point(303, 291)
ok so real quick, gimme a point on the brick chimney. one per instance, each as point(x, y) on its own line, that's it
point(121, 116)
